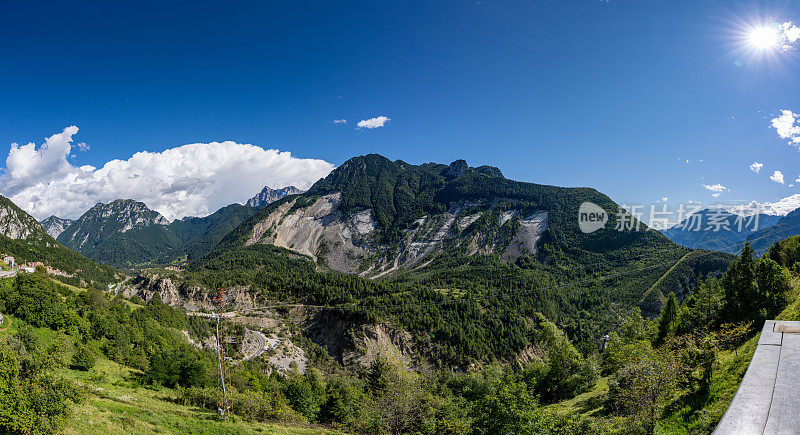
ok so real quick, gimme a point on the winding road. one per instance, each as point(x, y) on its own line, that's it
point(262, 345)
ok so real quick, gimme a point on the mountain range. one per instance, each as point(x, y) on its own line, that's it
point(718, 229)
point(721, 230)
point(126, 233)
point(376, 218)
point(376, 235)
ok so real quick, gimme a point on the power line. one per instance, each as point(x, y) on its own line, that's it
point(222, 391)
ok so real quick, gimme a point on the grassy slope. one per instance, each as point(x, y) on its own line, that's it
point(703, 415)
point(114, 404)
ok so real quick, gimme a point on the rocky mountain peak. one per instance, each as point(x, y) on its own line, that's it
point(127, 211)
point(55, 225)
point(457, 168)
point(16, 224)
point(268, 195)
point(104, 220)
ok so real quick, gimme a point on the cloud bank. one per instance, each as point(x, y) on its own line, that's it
point(781, 207)
point(188, 180)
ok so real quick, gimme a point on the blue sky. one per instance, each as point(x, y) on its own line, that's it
point(615, 95)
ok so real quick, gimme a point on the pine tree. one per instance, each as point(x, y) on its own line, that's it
point(739, 282)
point(668, 320)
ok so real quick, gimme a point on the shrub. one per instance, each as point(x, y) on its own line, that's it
point(83, 359)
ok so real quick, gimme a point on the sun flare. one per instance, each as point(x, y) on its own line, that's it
point(764, 38)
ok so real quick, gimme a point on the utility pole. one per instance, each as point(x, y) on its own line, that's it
point(222, 391)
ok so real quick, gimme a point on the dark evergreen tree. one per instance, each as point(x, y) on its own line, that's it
point(668, 319)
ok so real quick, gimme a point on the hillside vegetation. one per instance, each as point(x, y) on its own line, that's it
point(90, 363)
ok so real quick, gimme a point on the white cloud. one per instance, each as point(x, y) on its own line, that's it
point(717, 189)
point(788, 35)
point(188, 180)
point(373, 122)
point(779, 208)
point(777, 177)
point(785, 126)
point(756, 167)
point(339, 121)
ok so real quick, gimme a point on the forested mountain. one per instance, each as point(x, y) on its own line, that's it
point(22, 237)
point(374, 217)
point(55, 225)
point(199, 235)
point(121, 233)
point(267, 196)
point(459, 256)
point(718, 230)
point(126, 233)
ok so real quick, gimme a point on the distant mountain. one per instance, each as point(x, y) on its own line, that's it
point(718, 230)
point(126, 233)
point(787, 226)
point(55, 225)
point(25, 239)
point(268, 196)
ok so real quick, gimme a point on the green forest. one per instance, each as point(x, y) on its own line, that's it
point(677, 370)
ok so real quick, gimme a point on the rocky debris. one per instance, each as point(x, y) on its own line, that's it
point(524, 243)
point(287, 356)
point(466, 221)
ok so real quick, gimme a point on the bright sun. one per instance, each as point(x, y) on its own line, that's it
point(764, 38)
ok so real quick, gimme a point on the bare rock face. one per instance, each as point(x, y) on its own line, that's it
point(55, 225)
point(319, 230)
point(18, 225)
point(349, 243)
point(192, 298)
point(372, 341)
point(360, 345)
